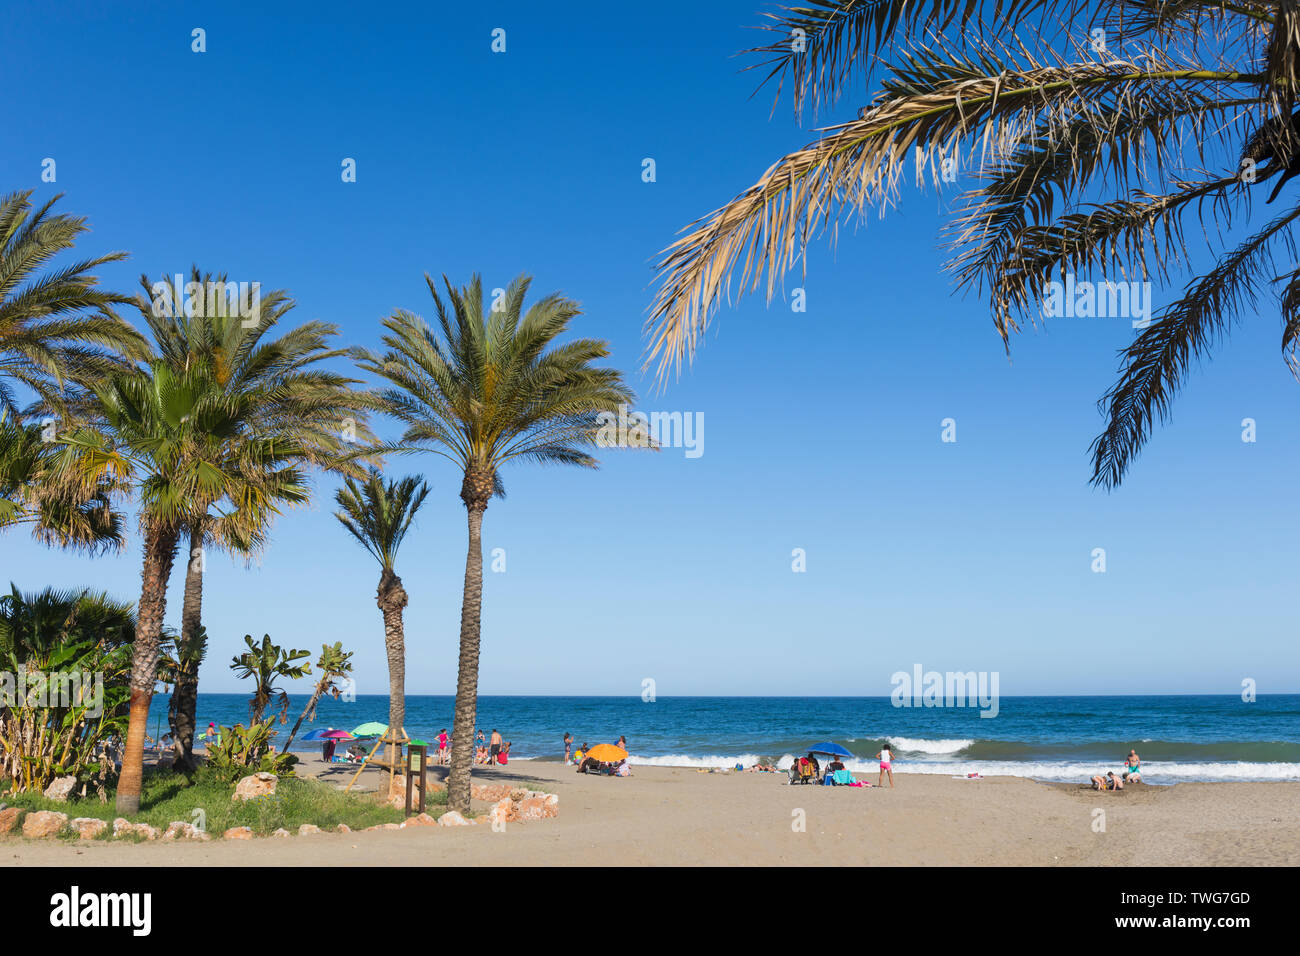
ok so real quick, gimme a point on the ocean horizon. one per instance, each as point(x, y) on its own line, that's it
point(1052, 738)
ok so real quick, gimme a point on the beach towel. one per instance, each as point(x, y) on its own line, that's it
point(842, 778)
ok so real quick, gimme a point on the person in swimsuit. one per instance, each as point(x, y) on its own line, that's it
point(494, 747)
point(886, 758)
point(1107, 782)
point(442, 746)
point(1133, 767)
point(568, 747)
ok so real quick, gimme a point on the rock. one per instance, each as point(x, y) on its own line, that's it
point(124, 827)
point(452, 818)
point(180, 830)
point(343, 828)
point(421, 820)
point(260, 784)
point(385, 826)
point(307, 829)
point(9, 819)
point(238, 833)
point(60, 789)
point(88, 828)
point(282, 834)
point(43, 823)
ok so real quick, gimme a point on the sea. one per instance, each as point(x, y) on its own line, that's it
point(1179, 738)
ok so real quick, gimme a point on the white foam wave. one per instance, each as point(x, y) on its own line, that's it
point(920, 746)
point(684, 760)
point(1077, 772)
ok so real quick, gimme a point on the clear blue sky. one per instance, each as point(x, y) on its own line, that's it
point(822, 429)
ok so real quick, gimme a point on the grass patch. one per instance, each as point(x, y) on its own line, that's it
point(168, 796)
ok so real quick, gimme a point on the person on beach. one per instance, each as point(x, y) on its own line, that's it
point(443, 740)
point(494, 747)
point(886, 758)
point(1133, 768)
point(503, 755)
point(328, 750)
point(568, 747)
point(1108, 782)
point(622, 742)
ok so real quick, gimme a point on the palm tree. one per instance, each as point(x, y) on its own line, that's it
point(246, 350)
point(1195, 101)
point(485, 393)
point(168, 434)
point(333, 665)
point(57, 328)
point(264, 664)
point(61, 513)
point(378, 514)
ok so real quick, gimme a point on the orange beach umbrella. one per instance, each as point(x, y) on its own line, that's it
point(607, 753)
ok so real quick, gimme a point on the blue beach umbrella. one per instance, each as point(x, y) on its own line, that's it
point(826, 747)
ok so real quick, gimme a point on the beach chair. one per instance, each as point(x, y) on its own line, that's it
point(803, 771)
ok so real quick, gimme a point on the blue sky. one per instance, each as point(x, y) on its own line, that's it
point(822, 429)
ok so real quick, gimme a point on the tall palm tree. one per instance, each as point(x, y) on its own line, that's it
point(484, 393)
point(1090, 162)
point(169, 435)
point(378, 513)
point(245, 348)
point(58, 327)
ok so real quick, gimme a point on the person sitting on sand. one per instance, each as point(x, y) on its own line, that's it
point(886, 758)
point(1133, 768)
point(1108, 782)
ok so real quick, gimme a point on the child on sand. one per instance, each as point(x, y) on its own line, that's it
point(886, 759)
point(442, 746)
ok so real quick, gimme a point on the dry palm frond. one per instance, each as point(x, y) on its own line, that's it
point(936, 100)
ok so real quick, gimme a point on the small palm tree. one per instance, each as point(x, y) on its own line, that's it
point(333, 666)
point(58, 328)
point(378, 514)
point(264, 664)
point(1163, 115)
point(486, 393)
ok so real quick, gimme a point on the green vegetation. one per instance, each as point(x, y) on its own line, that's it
point(168, 796)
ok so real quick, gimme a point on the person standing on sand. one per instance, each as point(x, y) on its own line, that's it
point(1133, 768)
point(443, 740)
point(886, 759)
point(494, 747)
point(568, 747)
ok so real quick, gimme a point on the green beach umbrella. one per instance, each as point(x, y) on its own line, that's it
point(370, 729)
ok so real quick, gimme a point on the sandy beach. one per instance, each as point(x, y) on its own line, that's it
point(668, 816)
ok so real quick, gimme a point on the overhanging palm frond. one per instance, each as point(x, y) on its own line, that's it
point(939, 100)
point(1158, 361)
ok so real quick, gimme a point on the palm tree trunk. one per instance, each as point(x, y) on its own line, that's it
point(182, 713)
point(391, 598)
point(159, 553)
point(462, 735)
point(311, 705)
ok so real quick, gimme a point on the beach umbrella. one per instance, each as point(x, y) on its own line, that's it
point(370, 729)
point(830, 749)
point(607, 753)
point(326, 734)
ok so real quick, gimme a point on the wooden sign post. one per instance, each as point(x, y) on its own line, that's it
point(416, 761)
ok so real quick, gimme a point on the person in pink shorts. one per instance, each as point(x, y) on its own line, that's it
point(886, 759)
